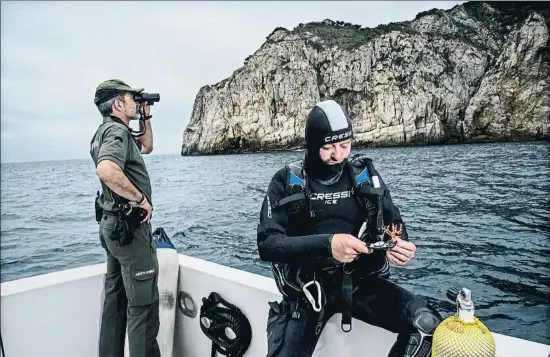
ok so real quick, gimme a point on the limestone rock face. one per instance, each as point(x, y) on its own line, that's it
point(479, 71)
point(513, 100)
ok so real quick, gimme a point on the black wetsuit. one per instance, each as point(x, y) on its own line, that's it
point(298, 244)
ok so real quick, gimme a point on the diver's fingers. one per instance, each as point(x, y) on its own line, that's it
point(403, 251)
point(405, 245)
point(397, 258)
point(392, 259)
point(349, 251)
point(358, 246)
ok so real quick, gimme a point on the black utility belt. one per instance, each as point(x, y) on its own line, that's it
point(128, 218)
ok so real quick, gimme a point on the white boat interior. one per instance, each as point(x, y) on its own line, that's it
point(58, 315)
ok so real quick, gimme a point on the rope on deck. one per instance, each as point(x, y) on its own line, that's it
point(216, 316)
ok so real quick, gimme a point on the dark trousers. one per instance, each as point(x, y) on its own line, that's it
point(376, 301)
point(131, 293)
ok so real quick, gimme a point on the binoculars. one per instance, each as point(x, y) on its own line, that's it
point(150, 98)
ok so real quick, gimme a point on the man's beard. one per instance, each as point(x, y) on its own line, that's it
point(132, 114)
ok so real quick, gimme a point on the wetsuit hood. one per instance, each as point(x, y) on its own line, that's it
point(327, 123)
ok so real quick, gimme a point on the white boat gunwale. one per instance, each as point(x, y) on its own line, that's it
point(250, 292)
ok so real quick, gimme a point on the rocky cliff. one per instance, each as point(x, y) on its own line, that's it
point(480, 71)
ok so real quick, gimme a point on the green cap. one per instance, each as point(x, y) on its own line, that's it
point(111, 88)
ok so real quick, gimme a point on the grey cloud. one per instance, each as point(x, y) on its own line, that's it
point(54, 54)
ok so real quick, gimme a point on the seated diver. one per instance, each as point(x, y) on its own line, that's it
point(329, 228)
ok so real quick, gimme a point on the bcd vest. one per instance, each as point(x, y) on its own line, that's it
point(367, 189)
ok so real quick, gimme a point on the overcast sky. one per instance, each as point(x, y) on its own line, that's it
point(54, 54)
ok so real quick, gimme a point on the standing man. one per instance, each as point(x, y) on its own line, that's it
point(329, 228)
point(124, 213)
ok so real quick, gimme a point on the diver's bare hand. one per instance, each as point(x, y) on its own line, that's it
point(346, 247)
point(402, 253)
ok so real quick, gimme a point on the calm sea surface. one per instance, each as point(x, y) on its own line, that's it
point(479, 215)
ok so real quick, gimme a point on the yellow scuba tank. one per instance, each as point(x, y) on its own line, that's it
point(462, 334)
